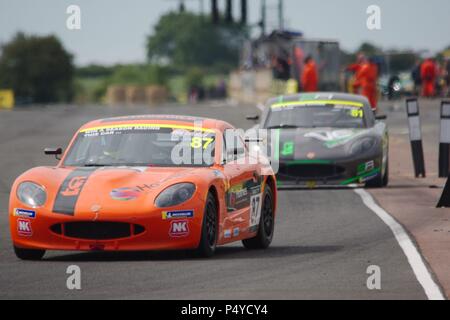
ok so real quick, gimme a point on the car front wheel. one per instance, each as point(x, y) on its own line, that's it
point(208, 240)
point(29, 254)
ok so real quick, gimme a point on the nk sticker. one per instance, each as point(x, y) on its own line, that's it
point(24, 228)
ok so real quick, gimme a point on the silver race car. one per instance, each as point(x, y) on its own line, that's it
point(327, 139)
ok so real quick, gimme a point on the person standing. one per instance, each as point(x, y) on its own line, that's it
point(310, 76)
point(355, 68)
point(368, 77)
point(428, 75)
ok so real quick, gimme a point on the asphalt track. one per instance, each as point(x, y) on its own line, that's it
point(324, 239)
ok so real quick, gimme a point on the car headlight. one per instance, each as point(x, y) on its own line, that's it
point(175, 195)
point(31, 194)
point(363, 145)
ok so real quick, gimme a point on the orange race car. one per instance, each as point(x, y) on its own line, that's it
point(145, 183)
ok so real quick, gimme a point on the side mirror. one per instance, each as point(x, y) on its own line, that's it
point(54, 152)
point(252, 118)
point(381, 117)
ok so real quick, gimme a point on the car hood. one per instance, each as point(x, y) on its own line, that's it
point(318, 143)
point(81, 191)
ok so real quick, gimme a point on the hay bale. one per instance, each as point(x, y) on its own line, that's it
point(135, 95)
point(115, 95)
point(156, 94)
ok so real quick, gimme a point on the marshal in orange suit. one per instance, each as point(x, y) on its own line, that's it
point(310, 77)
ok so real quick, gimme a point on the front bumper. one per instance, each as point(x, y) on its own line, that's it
point(50, 231)
point(315, 174)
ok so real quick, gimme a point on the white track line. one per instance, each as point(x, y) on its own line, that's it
point(415, 259)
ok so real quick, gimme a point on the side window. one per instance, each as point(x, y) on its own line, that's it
point(234, 145)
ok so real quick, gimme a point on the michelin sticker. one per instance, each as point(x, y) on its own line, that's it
point(25, 213)
point(177, 214)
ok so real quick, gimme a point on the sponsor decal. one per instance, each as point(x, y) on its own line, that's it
point(179, 229)
point(124, 194)
point(74, 187)
point(333, 139)
point(131, 193)
point(24, 227)
point(236, 232)
point(368, 177)
point(140, 127)
point(182, 214)
point(324, 102)
point(70, 190)
point(25, 213)
point(227, 234)
point(288, 148)
point(365, 167)
point(239, 195)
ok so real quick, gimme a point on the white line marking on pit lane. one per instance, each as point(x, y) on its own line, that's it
point(415, 259)
point(260, 106)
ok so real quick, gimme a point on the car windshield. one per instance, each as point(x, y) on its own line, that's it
point(142, 145)
point(317, 115)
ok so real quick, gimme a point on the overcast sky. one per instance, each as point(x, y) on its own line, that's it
point(114, 31)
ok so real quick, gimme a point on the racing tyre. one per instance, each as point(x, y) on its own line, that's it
point(29, 254)
point(386, 175)
point(267, 223)
point(208, 240)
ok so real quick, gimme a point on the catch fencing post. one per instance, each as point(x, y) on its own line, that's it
point(444, 140)
point(415, 135)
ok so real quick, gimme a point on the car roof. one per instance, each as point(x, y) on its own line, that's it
point(319, 96)
point(155, 118)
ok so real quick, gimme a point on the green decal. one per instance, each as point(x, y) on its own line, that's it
point(277, 145)
point(288, 148)
point(308, 96)
point(362, 176)
point(297, 162)
point(361, 168)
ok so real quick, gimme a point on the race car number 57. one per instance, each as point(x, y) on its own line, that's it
point(255, 210)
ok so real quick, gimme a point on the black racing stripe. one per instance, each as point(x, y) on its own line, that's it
point(70, 191)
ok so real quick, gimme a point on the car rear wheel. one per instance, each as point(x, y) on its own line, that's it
point(267, 223)
point(208, 240)
point(29, 254)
